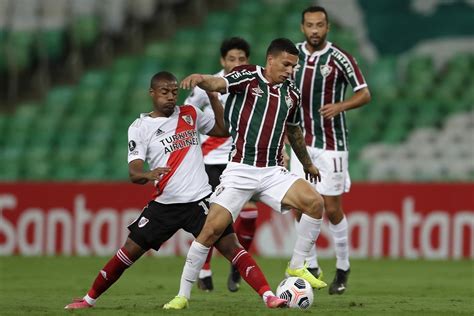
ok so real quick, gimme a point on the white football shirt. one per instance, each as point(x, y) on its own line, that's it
point(174, 142)
point(215, 149)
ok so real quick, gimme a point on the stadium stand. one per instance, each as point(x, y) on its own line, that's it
point(419, 126)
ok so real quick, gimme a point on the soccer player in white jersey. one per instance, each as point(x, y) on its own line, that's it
point(167, 139)
point(235, 51)
point(261, 105)
point(323, 73)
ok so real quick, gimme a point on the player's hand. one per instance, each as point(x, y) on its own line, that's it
point(191, 81)
point(157, 173)
point(328, 111)
point(312, 174)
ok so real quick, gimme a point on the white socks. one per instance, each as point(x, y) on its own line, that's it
point(307, 232)
point(266, 295)
point(204, 273)
point(194, 261)
point(312, 259)
point(339, 234)
point(89, 300)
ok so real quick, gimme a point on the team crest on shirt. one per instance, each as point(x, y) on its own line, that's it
point(143, 221)
point(289, 101)
point(325, 70)
point(188, 119)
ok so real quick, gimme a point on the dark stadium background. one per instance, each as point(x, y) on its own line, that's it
point(75, 74)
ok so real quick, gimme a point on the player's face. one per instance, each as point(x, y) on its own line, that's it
point(233, 58)
point(164, 95)
point(280, 67)
point(315, 28)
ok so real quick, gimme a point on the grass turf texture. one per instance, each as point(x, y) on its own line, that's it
point(44, 285)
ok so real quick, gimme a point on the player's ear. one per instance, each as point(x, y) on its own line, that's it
point(222, 62)
point(151, 92)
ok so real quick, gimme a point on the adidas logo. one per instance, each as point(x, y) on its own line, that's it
point(104, 274)
point(247, 271)
point(159, 132)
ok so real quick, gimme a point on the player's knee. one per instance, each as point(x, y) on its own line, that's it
point(210, 233)
point(314, 205)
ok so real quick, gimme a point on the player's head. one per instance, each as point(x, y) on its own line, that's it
point(315, 26)
point(282, 57)
point(164, 93)
point(235, 51)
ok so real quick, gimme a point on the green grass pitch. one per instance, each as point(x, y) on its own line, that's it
point(43, 285)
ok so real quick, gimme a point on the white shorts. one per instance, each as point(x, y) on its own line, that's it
point(333, 167)
point(240, 183)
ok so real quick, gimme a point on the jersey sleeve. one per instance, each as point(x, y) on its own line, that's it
point(205, 121)
point(294, 115)
point(198, 98)
point(238, 79)
point(136, 144)
point(351, 70)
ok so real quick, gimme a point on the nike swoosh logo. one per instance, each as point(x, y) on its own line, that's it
point(341, 288)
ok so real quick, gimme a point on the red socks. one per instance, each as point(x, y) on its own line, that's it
point(207, 263)
point(110, 273)
point(250, 271)
point(245, 227)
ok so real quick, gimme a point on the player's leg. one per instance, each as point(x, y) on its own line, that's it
point(302, 196)
point(339, 231)
point(229, 247)
point(156, 224)
point(244, 228)
point(210, 229)
point(205, 282)
point(297, 168)
point(335, 180)
point(110, 273)
point(312, 260)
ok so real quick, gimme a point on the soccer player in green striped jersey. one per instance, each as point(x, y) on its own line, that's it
point(322, 75)
point(262, 104)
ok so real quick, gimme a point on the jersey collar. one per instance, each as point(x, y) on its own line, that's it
point(318, 52)
point(260, 74)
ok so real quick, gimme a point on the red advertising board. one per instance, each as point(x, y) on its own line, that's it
point(385, 220)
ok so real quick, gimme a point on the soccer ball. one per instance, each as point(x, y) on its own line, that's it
point(297, 291)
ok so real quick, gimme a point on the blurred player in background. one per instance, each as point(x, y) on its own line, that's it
point(167, 139)
point(262, 103)
point(322, 75)
point(235, 51)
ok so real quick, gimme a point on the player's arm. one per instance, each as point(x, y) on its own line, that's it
point(296, 139)
point(139, 176)
point(206, 82)
point(219, 128)
point(358, 99)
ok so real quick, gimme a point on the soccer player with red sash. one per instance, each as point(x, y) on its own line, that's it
point(167, 139)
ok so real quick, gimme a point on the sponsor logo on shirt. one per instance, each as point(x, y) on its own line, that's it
point(159, 132)
point(132, 145)
point(180, 141)
point(343, 60)
point(257, 92)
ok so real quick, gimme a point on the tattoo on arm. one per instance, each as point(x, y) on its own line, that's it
point(296, 139)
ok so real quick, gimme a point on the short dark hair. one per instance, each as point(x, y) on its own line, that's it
point(162, 75)
point(312, 9)
point(282, 45)
point(235, 43)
